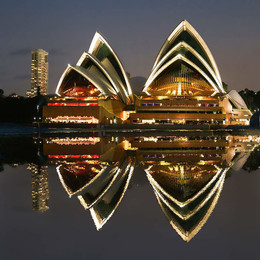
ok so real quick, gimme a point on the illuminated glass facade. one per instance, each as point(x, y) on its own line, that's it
point(75, 85)
point(180, 80)
point(39, 73)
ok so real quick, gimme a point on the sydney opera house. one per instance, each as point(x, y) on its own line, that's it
point(183, 88)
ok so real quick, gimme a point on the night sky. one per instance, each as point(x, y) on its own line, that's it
point(136, 30)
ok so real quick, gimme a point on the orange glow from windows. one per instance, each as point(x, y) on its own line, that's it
point(72, 104)
point(63, 156)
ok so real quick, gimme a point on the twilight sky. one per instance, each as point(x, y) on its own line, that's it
point(135, 29)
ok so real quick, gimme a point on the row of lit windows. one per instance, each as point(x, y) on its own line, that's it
point(88, 156)
point(179, 105)
point(182, 112)
point(180, 139)
point(190, 148)
point(179, 122)
point(72, 104)
point(73, 119)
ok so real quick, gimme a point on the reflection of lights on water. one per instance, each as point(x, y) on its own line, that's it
point(75, 141)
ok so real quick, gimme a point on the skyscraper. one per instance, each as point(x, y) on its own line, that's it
point(39, 73)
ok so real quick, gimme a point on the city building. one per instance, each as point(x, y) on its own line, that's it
point(39, 73)
point(184, 88)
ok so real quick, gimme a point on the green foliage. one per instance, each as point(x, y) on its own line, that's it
point(253, 162)
point(225, 86)
point(251, 98)
point(20, 109)
point(19, 149)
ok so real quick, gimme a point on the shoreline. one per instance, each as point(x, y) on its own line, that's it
point(7, 129)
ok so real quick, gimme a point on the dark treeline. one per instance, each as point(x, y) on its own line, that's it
point(253, 162)
point(21, 150)
point(251, 98)
point(18, 109)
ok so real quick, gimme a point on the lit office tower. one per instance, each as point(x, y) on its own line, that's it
point(39, 73)
point(40, 187)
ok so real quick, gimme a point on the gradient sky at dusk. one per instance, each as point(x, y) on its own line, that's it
point(136, 30)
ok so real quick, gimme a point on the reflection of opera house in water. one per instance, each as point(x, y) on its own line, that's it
point(184, 87)
point(97, 171)
point(186, 173)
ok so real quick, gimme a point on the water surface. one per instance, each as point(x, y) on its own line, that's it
point(156, 196)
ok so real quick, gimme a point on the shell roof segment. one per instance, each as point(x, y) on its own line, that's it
point(186, 41)
point(186, 32)
point(188, 52)
point(237, 99)
point(185, 60)
point(103, 52)
point(103, 69)
point(97, 79)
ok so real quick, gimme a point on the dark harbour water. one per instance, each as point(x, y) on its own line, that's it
point(142, 192)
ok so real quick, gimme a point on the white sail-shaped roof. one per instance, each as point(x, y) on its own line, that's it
point(202, 46)
point(103, 69)
point(97, 78)
point(237, 99)
point(185, 43)
point(100, 48)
